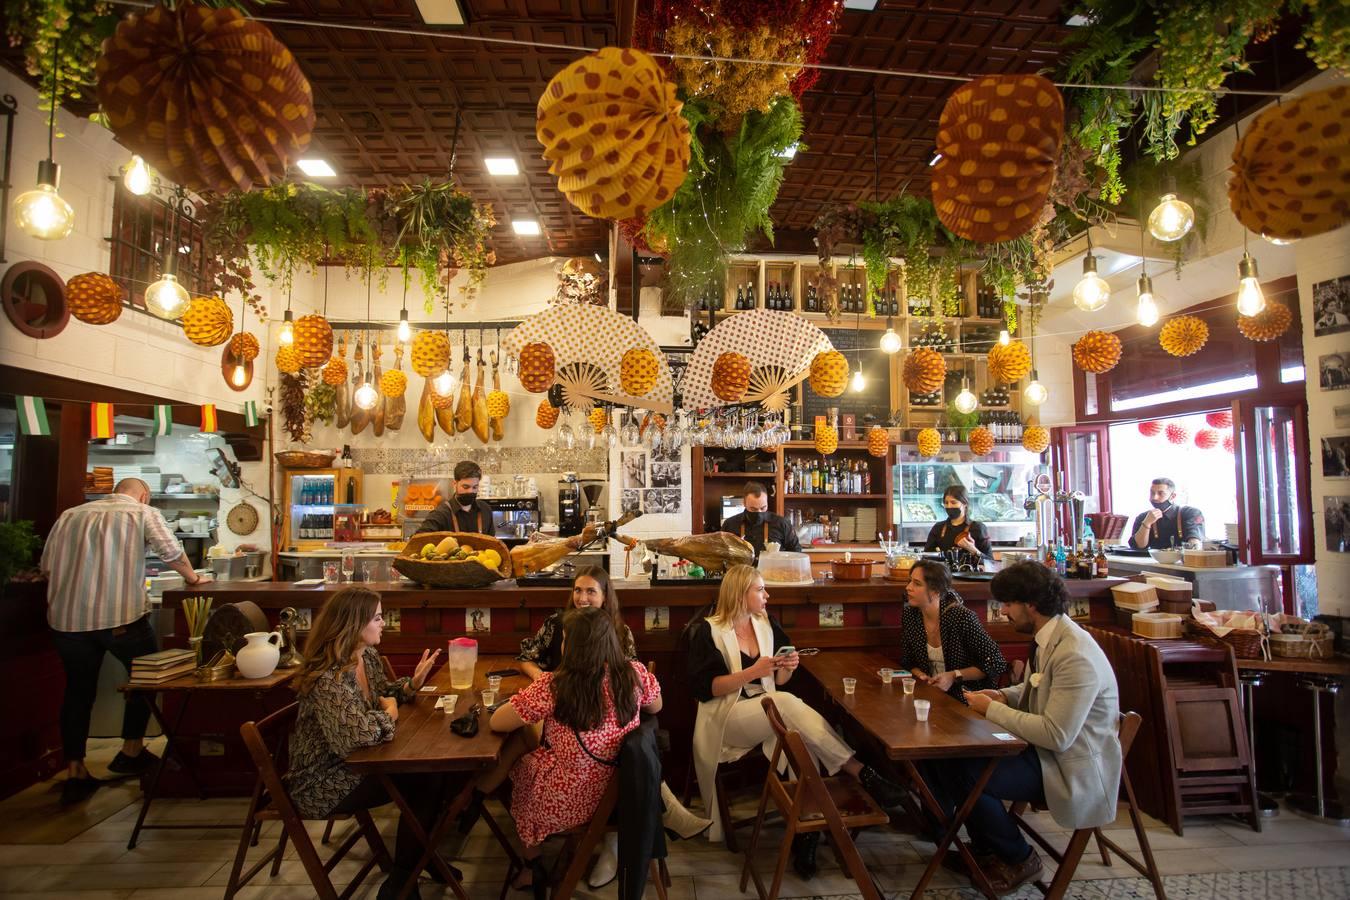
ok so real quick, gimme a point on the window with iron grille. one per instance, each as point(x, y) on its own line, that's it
point(143, 228)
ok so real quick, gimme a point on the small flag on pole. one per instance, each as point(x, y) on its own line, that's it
point(209, 417)
point(250, 413)
point(163, 420)
point(100, 420)
point(33, 416)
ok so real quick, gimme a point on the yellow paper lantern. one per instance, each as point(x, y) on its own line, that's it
point(878, 440)
point(1097, 352)
point(1010, 362)
point(536, 367)
point(94, 298)
point(244, 347)
point(981, 441)
point(829, 373)
point(1036, 439)
point(313, 340)
point(498, 404)
point(1271, 322)
point(335, 372)
point(930, 442)
point(924, 371)
point(207, 321)
point(546, 416)
point(430, 353)
point(730, 377)
point(393, 383)
point(827, 439)
point(1184, 335)
point(638, 371)
point(288, 361)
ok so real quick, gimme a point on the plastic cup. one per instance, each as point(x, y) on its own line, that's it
point(451, 701)
point(494, 683)
point(908, 682)
point(490, 697)
point(886, 675)
point(850, 684)
point(921, 710)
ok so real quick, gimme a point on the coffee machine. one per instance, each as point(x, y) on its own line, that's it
point(595, 513)
point(571, 518)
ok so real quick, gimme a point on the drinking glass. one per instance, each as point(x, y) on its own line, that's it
point(885, 675)
point(921, 708)
point(610, 435)
point(567, 438)
point(629, 435)
point(850, 684)
point(490, 697)
point(368, 569)
point(348, 566)
point(330, 571)
point(908, 682)
point(494, 683)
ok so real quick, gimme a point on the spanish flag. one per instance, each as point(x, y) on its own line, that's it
point(209, 417)
point(100, 420)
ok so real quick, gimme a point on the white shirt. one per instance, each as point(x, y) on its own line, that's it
point(1043, 636)
point(936, 661)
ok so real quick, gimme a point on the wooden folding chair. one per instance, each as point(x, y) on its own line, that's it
point(1068, 860)
point(389, 676)
point(811, 803)
point(267, 745)
point(581, 844)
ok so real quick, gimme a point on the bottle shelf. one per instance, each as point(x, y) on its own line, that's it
point(834, 496)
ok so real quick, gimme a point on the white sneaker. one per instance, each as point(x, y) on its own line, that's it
point(607, 865)
point(678, 820)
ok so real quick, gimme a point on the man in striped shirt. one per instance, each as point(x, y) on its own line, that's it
point(96, 604)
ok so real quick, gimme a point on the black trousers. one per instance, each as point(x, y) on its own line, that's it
point(81, 655)
point(425, 794)
point(990, 827)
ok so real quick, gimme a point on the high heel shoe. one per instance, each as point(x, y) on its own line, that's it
point(678, 821)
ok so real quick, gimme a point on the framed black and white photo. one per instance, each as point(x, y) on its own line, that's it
point(831, 615)
point(630, 501)
point(657, 618)
point(1333, 372)
point(1331, 306)
point(1336, 510)
point(1336, 456)
point(665, 474)
point(665, 454)
point(661, 501)
point(634, 464)
point(1340, 416)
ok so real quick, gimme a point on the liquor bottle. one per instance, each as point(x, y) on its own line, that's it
point(810, 298)
point(788, 304)
point(750, 296)
point(867, 479)
point(1070, 564)
point(1100, 562)
point(740, 297)
point(895, 302)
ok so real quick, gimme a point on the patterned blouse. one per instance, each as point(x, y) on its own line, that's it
point(544, 649)
point(335, 719)
point(965, 643)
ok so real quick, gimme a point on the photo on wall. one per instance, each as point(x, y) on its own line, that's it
point(661, 501)
point(831, 615)
point(630, 501)
point(1340, 416)
point(1336, 456)
point(1337, 513)
point(634, 470)
point(665, 454)
point(1333, 371)
point(657, 618)
point(1331, 306)
point(665, 475)
point(477, 620)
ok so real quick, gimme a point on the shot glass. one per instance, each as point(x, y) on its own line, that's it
point(451, 701)
point(490, 697)
point(886, 675)
point(908, 683)
point(921, 710)
point(330, 572)
point(494, 683)
point(850, 684)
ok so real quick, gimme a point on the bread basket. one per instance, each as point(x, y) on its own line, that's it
point(305, 459)
point(449, 573)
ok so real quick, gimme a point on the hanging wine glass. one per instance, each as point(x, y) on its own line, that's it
point(653, 434)
point(567, 438)
point(610, 435)
point(675, 433)
point(630, 435)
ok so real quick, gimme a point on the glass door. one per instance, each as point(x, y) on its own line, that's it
point(1274, 503)
point(1081, 459)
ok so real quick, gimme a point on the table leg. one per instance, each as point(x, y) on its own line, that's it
point(977, 876)
point(152, 786)
point(429, 842)
point(1266, 806)
point(1318, 806)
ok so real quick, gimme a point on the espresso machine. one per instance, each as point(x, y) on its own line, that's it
point(571, 517)
point(595, 512)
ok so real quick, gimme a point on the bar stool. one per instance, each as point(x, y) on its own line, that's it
point(1319, 806)
point(1251, 680)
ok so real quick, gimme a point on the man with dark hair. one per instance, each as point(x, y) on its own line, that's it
point(1167, 524)
point(759, 526)
point(1067, 709)
point(464, 511)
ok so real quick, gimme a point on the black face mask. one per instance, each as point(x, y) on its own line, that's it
point(1161, 506)
point(953, 512)
point(752, 517)
point(466, 499)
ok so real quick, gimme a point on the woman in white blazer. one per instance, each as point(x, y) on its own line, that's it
point(732, 663)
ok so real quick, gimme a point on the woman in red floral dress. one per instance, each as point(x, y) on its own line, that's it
point(586, 706)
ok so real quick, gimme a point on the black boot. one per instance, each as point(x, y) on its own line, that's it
point(884, 791)
point(394, 883)
point(804, 854)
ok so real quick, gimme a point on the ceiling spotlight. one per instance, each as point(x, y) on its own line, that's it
point(1171, 219)
point(1146, 313)
point(1092, 291)
point(136, 176)
point(1250, 300)
point(526, 227)
point(316, 168)
point(1035, 392)
point(502, 166)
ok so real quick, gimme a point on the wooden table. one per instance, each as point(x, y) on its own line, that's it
point(189, 687)
point(887, 714)
point(1336, 665)
point(423, 742)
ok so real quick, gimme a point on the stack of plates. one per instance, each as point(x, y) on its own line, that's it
point(847, 529)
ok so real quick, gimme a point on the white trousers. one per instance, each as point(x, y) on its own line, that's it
point(748, 726)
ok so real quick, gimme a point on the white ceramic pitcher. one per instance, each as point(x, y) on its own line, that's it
point(259, 657)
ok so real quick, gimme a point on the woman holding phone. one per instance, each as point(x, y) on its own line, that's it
point(734, 660)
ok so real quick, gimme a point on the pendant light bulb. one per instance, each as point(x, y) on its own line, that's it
point(1092, 291)
point(404, 329)
point(1003, 337)
point(1171, 219)
point(239, 377)
point(1146, 313)
point(1250, 300)
point(287, 335)
point(136, 176)
point(965, 401)
point(1035, 392)
point(443, 383)
point(366, 396)
point(166, 298)
point(41, 212)
point(890, 341)
point(858, 383)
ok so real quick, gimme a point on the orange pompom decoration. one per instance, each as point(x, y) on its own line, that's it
point(546, 416)
point(288, 361)
point(1268, 324)
point(1177, 434)
point(827, 439)
point(313, 340)
point(393, 383)
point(498, 404)
point(244, 347)
point(999, 137)
point(1184, 335)
point(1206, 439)
point(442, 401)
point(613, 134)
point(930, 442)
point(981, 441)
point(430, 353)
point(924, 371)
point(336, 371)
point(599, 419)
point(829, 373)
point(730, 377)
point(94, 298)
point(207, 321)
point(638, 371)
point(1036, 439)
point(1097, 352)
point(1010, 362)
point(536, 367)
point(878, 440)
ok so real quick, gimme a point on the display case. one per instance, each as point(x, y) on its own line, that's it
point(997, 485)
point(312, 500)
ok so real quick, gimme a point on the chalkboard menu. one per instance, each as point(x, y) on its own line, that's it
point(875, 398)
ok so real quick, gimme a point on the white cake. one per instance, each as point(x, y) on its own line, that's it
point(779, 567)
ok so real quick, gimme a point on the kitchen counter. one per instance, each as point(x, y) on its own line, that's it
point(1252, 588)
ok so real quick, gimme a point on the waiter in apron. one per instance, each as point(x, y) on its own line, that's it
point(464, 511)
point(759, 526)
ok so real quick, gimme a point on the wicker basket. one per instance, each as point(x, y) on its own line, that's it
point(1246, 643)
point(433, 573)
point(1315, 641)
point(305, 459)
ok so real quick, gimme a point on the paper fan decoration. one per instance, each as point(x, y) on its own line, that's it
point(771, 383)
point(770, 340)
point(1291, 170)
point(1177, 434)
point(1150, 428)
point(1206, 439)
point(209, 97)
point(1221, 419)
point(1184, 335)
point(1228, 443)
point(1097, 352)
point(612, 133)
point(1271, 322)
point(999, 137)
point(588, 344)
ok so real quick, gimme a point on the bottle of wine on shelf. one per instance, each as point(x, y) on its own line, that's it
point(788, 304)
point(750, 296)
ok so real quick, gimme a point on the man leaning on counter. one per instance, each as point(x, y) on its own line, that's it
point(464, 511)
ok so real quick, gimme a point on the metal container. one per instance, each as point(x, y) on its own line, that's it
point(228, 568)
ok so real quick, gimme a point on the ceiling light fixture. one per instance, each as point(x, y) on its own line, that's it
point(136, 176)
point(1146, 312)
point(937, 157)
point(287, 335)
point(858, 383)
point(366, 396)
point(526, 227)
point(316, 168)
point(890, 341)
point(501, 166)
point(41, 212)
point(1004, 337)
point(166, 297)
point(404, 329)
point(1092, 291)
point(1250, 299)
point(965, 401)
point(1171, 219)
point(1035, 392)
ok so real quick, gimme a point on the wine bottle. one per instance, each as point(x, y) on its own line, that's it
point(750, 296)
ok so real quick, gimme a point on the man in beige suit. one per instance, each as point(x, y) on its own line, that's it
point(1067, 708)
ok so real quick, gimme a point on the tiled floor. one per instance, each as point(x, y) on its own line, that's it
point(81, 854)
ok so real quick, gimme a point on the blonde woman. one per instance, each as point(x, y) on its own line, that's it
point(732, 663)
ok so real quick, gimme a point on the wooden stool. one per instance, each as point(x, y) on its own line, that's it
point(811, 803)
point(1068, 860)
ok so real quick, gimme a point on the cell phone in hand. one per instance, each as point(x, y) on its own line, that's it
point(784, 651)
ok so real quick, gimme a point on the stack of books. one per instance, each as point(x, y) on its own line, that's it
point(162, 666)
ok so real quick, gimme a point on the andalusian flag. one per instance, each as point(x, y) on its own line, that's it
point(163, 420)
point(209, 417)
point(250, 413)
point(33, 416)
point(100, 420)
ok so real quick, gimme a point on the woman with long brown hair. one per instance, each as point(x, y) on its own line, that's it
point(346, 702)
point(586, 706)
point(591, 587)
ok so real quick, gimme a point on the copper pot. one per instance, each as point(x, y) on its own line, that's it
point(852, 570)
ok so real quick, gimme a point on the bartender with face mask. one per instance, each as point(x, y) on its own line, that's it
point(759, 526)
point(464, 511)
point(1167, 524)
